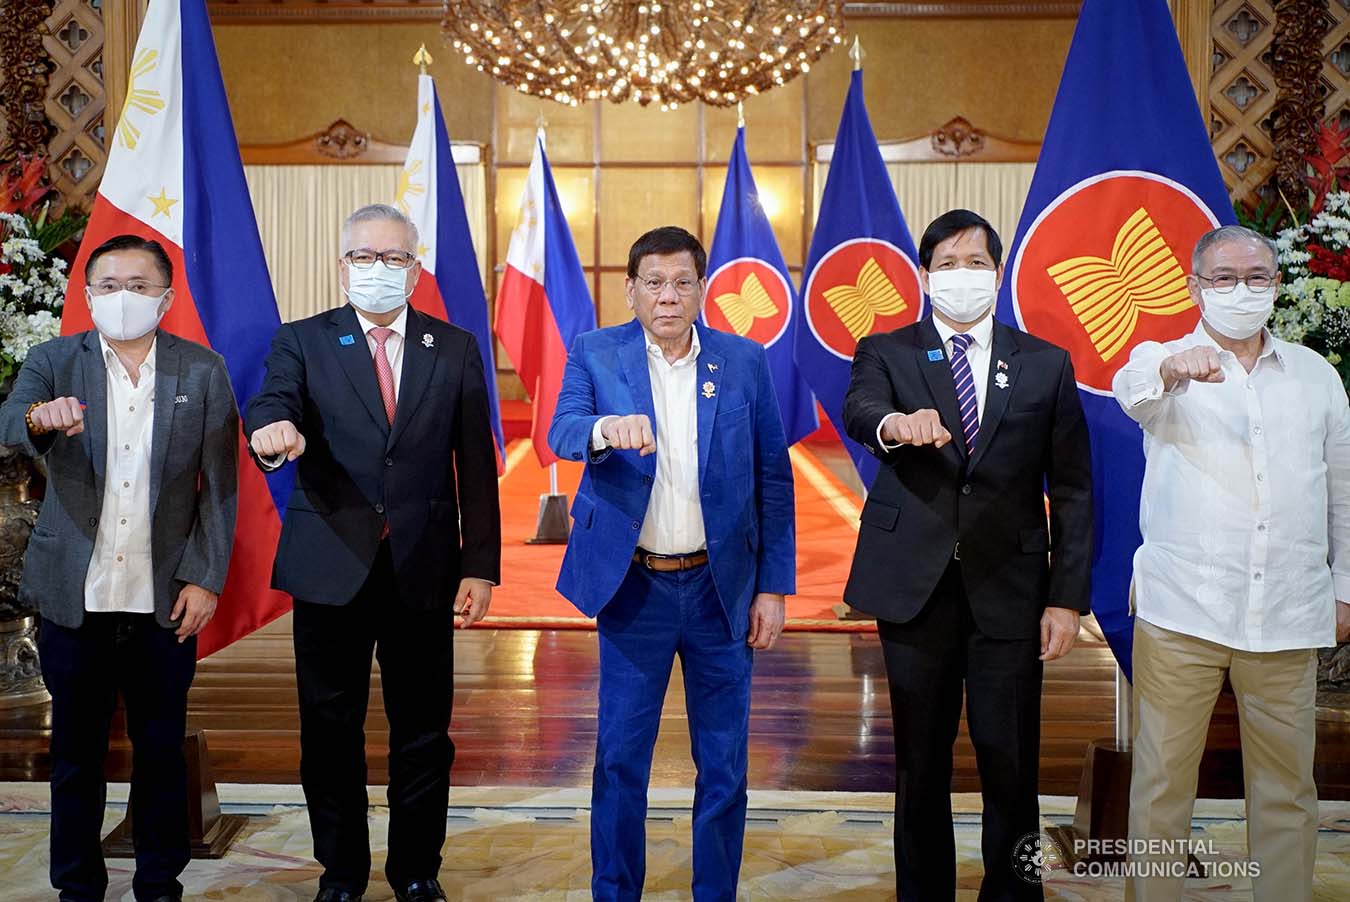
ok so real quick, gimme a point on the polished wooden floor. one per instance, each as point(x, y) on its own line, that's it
point(525, 704)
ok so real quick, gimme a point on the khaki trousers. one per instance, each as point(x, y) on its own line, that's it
point(1177, 679)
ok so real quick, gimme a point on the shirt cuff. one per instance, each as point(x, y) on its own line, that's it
point(881, 443)
point(1147, 385)
point(1341, 583)
point(274, 462)
point(598, 440)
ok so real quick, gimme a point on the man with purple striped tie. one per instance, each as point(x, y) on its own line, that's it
point(973, 422)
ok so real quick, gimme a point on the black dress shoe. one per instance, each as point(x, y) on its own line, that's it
point(333, 894)
point(167, 898)
point(421, 891)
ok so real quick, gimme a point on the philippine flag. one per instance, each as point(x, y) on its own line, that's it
point(451, 285)
point(750, 291)
point(543, 303)
point(1125, 184)
point(174, 175)
point(861, 273)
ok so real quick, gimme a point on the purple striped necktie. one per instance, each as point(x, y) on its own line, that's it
point(965, 390)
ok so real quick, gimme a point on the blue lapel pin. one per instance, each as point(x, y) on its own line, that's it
point(346, 340)
point(935, 355)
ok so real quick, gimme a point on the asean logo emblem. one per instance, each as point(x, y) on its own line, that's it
point(750, 298)
point(861, 287)
point(1103, 269)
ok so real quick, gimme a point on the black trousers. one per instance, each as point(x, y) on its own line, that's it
point(333, 648)
point(84, 668)
point(928, 660)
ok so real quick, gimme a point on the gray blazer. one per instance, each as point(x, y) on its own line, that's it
point(194, 457)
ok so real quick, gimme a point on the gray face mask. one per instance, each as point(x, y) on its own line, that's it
point(377, 288)
point(1239, 313)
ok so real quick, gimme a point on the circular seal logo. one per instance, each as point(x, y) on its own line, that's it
point(749, 297)
point(861, 287)
point(1103, 268)
point(1034, 856)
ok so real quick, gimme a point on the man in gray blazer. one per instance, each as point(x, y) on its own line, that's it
point(139, 431)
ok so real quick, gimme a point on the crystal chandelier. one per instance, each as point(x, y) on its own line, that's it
point(717, 51)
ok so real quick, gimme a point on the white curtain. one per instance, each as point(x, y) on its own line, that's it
point(927, 190)
point(300, 210)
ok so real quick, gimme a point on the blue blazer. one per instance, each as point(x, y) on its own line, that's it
point(745, 475)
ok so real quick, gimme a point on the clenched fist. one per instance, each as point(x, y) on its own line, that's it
point(922, 427)
point(631, 433)
point(62, 413)
point(277, 438)
point(1197, 364)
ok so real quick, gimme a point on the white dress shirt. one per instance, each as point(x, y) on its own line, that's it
point(393, 345)
point(977, 355)
point(121, 574)
point(674, 520)
point(1245, 510)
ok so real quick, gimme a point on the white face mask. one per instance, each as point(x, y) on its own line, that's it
point(962, 295)
point(1240, 313)
point(124, 315)
point(378, 288)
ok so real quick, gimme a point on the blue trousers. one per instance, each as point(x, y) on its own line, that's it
point(652, 618)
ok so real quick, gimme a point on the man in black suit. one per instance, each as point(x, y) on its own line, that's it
point(972, 422)
point(392, 530)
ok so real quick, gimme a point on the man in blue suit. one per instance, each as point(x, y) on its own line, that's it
point(682, 543)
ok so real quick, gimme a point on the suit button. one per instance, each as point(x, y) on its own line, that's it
point(965, 490)
point(388, 461)
point(379, 508)
point(646, 480)
point(93, 521)
point(637, 525)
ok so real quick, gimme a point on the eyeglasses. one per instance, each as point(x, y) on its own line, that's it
point(1225, 284)
point(365, 259)
point(684, 287)
point(135, 286)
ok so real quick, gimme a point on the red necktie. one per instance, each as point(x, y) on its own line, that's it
point(384, 373)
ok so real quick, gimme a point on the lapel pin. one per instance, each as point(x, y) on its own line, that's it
point(1002, 365)
point(180, 399)
point(346, 340)
point(709, 389)
point(427, 340)
point(712, 367)
point(1001, 380)
point(935, 355)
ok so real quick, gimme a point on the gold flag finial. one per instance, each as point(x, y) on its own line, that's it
point(421, 58)
point(740, 114)
point(855, 53)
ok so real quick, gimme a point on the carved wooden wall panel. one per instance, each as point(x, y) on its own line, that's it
point(24, 78)
point(1242, 95)
point(1336, 63)
point(75, 99)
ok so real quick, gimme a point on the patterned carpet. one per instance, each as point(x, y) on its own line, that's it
point(532, 844)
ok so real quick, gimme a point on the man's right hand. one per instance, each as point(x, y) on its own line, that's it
point(276, 439)
point(922, 427)
point(631, 433)
point(64, 414)
point(1196, 364)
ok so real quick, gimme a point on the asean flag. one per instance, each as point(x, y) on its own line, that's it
point(861, 274)
point(750, 291)
point(543, 303)
point(1125, 184)
point(451, 284)
point(174, 176)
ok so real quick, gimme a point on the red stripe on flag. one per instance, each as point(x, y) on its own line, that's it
point(248, 601)
point(531, 338)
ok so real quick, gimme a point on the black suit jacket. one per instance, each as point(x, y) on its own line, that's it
point(432, 476)
point(1032, 439)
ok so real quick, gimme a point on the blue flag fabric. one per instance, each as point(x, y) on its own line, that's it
point(1126, 174)
point(861, 275)
point(750, 290)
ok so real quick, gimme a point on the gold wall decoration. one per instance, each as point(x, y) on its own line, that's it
point(74, 42)
point(1242, 96)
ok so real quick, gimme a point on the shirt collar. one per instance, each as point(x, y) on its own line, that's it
point(1270, 345)
point(399, 325)
point(655, 349)
point(111, 360)
point(981, 334)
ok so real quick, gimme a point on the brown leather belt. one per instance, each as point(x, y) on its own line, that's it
point(668, 563)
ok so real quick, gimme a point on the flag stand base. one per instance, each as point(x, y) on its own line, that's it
point(211, 832)
point(551, 527)
point(1103, 811)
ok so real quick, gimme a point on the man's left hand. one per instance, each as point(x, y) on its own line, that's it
point(472, 600)
point(1342, 621)
point(1059, 631)
point(196, 606)
point(767, 613)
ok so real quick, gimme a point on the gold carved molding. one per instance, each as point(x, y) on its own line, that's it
point(25, 75)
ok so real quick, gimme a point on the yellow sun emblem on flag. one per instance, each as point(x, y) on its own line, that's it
point(1107, 296)
point(407, 187)
point(743, 307)
point(143, 100)
point(859, 305)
